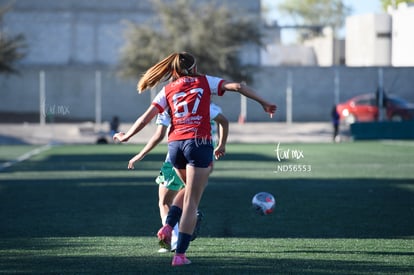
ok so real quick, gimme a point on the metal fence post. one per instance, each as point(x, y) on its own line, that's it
point(336, 86)
point(42, 97)
point(380, 94)
point(98, 98)
point(289, 93)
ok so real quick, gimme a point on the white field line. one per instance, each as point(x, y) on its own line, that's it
point(25, 156)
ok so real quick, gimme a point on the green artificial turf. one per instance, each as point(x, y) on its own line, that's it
point(77, 209)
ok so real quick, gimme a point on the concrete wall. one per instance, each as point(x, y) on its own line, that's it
point(70, 91)
point(368, 40)
point(288, 55)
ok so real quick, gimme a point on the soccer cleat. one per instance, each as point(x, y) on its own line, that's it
point(197, 227)
point(164, 236)
point(180, 259)
point(162, 250)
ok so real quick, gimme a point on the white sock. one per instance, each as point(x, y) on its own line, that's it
point(174, 237)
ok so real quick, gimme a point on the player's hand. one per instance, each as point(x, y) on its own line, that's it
point(269, 108)
point(133, 160)
point(131, 164)
point(120, 137)
point(219, 152)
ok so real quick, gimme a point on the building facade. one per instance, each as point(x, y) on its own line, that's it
point(368, 40)
point(384, 39)
point(67, 32)
point(402, 35)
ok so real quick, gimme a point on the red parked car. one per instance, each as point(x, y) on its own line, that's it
point(364, 108)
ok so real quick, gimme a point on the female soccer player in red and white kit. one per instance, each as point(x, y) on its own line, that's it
point(187, 96)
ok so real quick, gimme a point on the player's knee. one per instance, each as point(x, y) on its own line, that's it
point(163, 203)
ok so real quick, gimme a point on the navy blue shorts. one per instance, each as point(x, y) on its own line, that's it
point(194, 152)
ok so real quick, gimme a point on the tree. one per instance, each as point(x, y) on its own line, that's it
point(316, 13)
point(211, 32)
point(12, 48)
point(386, 3)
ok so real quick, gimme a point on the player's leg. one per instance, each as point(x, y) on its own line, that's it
point(165, 199)
point(199, 156)
point(178, 202)
point(169, 186)
point(197, 227)
point(174, 214)
point(200, 216)
point(195, 185)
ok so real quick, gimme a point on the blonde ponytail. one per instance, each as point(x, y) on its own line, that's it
point(157, 73)
point(173, 66)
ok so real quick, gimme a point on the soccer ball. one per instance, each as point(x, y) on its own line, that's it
point(263, 203)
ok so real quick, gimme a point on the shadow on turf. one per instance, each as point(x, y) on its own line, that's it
point(81, 162)
point(127, 206)
point(96, 204)
point(155, 264)
point(107, 162)
point(95, 201)
point(314, 208)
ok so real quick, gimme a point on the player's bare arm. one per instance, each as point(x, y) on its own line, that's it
point(139, 124)
point(223, 131)
point(250, 93)
point(156, 138)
